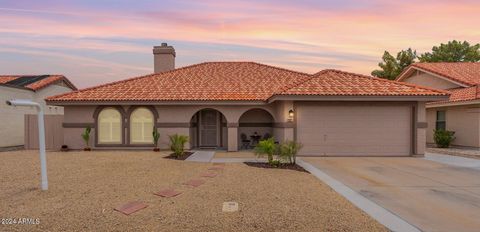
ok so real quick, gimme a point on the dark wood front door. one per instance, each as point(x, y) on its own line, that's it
point(209, 128)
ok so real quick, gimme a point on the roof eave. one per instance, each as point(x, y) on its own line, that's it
point(426, 98)
point(165, 102)
point(452, 103)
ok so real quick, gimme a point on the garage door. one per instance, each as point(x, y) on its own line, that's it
point(354, 130)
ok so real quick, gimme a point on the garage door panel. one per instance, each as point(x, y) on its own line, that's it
point(354, 130)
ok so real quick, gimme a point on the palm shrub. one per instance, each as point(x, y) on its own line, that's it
point(266, 147)
point(443, 138)
point(86, 138)
point(177, 144)
point(155, 136)
point(289, 150)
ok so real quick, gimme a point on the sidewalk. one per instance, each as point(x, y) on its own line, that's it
point(464, 152)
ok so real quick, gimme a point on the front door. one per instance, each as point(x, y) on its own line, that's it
point(209, 128)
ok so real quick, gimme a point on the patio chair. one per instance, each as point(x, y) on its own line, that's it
point(267, 136)
point(245, 141)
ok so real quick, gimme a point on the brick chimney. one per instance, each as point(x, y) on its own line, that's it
point(163, 58)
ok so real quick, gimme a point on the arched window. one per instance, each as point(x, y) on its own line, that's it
point(109, 126)
point(141, 126)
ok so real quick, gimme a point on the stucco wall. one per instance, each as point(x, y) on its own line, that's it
point(464, 120)
point(425, 79)
point(12, 118)
point(172, 120)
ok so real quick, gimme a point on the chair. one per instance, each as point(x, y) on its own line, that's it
point(245, 142)
point(267, 136)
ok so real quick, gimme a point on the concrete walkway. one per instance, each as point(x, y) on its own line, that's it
point(453, 160)
point(465, 152)
point(431, 196)
point(201, 156)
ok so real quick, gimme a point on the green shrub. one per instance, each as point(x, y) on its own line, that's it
point(289, 150)
point(266, 147)
point(443, 138)
point(86, 136)
point(177, 144)
point(156, 136)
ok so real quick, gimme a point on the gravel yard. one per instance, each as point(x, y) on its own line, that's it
point(86, 186)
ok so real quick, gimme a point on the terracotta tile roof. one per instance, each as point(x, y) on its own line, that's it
point(204, 81)
point(334, 82)
point(467, 73)
point(213, 81)
point(33, 82)
point(461, 95)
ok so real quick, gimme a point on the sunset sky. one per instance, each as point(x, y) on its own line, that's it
point(93, 42)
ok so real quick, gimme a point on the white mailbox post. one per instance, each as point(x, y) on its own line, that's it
point(41, 135)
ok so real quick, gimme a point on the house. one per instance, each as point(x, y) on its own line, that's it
point(220, 104)
point(32, 87)
point(461, 112)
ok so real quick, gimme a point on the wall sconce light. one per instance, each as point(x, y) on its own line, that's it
point(291, 113)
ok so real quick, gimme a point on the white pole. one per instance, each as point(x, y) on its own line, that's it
point(41, 142)
point(41, 135)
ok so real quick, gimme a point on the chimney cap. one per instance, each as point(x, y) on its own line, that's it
point(164, 49)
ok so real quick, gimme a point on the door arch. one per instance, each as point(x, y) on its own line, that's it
point(254, 125)
point(208, 129)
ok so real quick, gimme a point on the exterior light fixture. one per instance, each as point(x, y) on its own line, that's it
point(41, 135)
point(291, 113)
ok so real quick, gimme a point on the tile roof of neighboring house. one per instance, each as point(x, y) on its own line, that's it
point(234, 81)
point(33, 82)
point(467, 73)
point(461, 95)
point(335, 82)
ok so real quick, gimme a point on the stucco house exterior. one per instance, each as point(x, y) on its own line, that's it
point(461, 112)
point(220, 104)
point(33, 87)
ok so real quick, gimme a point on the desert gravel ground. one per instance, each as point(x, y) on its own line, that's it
point(86, 186)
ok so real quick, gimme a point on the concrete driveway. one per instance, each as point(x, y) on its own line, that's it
point(429, 195)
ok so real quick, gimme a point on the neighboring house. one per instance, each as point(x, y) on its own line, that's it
point(219, 104)
point(461, 112)
point(33, 87)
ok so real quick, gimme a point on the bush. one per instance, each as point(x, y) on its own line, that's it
point(177, 144)
point(443, 138)
point(267, 147)
point(86, 137)
point(289, 151)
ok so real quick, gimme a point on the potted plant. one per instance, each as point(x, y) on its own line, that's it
point(156, 136)
point(86, 138)
point(64, 148)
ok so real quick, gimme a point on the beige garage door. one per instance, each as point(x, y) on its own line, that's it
point(354, 130)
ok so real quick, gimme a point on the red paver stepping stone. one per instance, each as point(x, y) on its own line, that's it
point(194, 183)
point(209, 174)
point(131, 207)
point(216, 168)
point(168, 193)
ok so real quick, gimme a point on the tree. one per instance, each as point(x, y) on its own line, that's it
point(392, 66)
point(453, 51)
